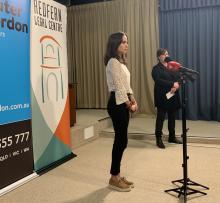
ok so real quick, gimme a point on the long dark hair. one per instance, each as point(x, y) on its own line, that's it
point(114, 42)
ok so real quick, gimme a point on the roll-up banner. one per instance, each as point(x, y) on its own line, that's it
point(49, 84)
point(16, 155)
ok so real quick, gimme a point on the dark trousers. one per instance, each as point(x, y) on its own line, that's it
point(161, 113)
point(120, 119)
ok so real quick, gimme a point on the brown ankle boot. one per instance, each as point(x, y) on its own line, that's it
point(131, 184)
point(119, 185)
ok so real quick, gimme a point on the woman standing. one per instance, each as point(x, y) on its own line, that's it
point(121, 101)
point(166, 83)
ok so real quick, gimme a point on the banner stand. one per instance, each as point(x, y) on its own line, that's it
point(49, 85)
point(55, 164)
point(18, 183)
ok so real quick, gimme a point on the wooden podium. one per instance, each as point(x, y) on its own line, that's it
point(72, 105)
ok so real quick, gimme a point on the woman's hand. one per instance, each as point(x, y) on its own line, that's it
point(128, 104)
point(133, 107)
point(132, 104)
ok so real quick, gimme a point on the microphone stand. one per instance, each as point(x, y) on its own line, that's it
point(186, 182)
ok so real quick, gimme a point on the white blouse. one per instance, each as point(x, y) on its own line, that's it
point(118, 80)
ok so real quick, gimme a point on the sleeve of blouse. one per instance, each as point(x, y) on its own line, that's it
point(119, 81)
point(130, 90)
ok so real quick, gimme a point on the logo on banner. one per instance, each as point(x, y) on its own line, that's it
point(49, 74)
point(52, 76)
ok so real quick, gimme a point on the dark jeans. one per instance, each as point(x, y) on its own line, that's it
point(161, 113)
point(120, 119)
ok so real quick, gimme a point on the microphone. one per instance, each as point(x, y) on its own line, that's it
point(173, 65)
point(188, 70)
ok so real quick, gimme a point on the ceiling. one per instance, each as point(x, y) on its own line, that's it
point(78, 2)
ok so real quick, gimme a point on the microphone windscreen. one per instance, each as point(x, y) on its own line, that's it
point(173, 65)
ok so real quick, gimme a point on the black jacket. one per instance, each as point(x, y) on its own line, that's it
point(164, 80)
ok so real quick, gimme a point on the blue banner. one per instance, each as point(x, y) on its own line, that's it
point(15, 61)
point(16, 153)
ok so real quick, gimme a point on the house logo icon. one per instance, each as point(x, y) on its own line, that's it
point(51, 70)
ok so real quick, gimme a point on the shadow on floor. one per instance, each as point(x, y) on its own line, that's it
point(97, 196)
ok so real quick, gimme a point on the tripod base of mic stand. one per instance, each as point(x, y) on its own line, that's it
point(185, 189)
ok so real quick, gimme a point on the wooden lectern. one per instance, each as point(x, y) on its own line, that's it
point(72, 105)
